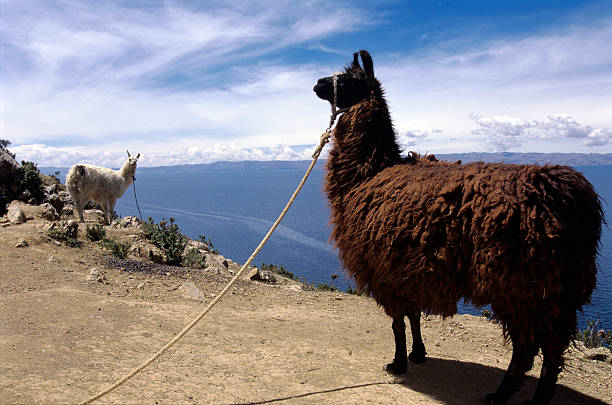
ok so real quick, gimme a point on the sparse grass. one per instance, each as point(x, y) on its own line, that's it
point(350, 290)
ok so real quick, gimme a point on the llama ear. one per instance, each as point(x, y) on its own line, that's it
point(356, 60)
point(137, 156)
point(128, 152)
point(368, 65)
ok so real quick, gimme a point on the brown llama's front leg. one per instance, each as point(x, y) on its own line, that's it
point(400, 362)
point(417, 355)
point(521, 362)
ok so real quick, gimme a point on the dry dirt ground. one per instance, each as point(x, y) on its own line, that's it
point(62, 339)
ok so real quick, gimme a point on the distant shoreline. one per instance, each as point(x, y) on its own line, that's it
point(569, 159)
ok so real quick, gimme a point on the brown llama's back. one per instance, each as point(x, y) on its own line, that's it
point(517, 237)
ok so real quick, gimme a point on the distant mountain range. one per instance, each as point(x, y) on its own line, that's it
point(569, 159)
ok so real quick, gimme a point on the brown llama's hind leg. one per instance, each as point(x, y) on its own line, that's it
point(521, 362)
point(400, 362)
point(552, 349)
point(417, 355)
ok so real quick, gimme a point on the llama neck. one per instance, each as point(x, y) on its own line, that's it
point(127, 172)
point(364, 144)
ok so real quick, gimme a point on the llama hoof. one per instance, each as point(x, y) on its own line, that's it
point(417, 358)
point(396, 368)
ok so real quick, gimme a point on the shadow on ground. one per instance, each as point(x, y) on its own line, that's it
point(452, 382)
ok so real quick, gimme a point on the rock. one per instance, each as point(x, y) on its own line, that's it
point(56, 202)
point(95, 276)
point(51, 189)
point(69, 228)
point(67, 212)
point(599, 354)
point(191, 292)
point(15, 214)
point(22, 243)
point(52, 259)
point(194, 244)
point(213, 261)
point(130, 222)
point(252, 274)
point(65, 197)
point(49, 212)
point(96, 212)
point(140, 286)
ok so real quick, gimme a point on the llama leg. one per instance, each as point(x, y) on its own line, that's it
point(80, 206)
point(417, 355)
point(521, 362)
point(552, 349)
point(111, 209)
point(400, 362)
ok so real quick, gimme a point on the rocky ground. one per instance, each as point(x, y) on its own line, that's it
point(66, 332)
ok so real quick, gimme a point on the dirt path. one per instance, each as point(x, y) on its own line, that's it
point(62, 339)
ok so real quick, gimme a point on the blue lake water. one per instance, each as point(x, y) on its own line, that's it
point(235, 208)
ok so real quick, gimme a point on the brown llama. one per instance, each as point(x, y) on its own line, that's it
point(419, 234)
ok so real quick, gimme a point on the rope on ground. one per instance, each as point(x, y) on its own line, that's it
point(324, 139)
point(392, 385)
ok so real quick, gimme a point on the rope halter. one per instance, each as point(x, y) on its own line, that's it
point(335, 112)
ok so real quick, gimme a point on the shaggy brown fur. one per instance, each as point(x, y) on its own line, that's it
point(419, 235)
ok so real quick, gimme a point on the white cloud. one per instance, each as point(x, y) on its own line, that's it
point(411, 137)
point(67, 156)
point(504, 133)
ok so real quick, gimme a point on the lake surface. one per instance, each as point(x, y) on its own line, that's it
point(235, 208)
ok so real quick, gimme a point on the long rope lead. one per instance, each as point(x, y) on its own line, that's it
point(136, 198)
point(323, 140)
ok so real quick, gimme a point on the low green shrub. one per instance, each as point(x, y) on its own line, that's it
point(594, 335)
point(209, 244)
point(95, 232)
point(167, 237)
point(280, 270)
point(325, 287)
point(29, 180)
point(194, 259)
point(61, 236)
point(119, 249)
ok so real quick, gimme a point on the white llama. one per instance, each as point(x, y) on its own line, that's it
point(105, 186)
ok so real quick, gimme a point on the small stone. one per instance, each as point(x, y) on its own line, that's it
point(52, 259)
point(140, 286)
point(22, 243)
point(95, 275)
point(252, 274)
point(190, 291)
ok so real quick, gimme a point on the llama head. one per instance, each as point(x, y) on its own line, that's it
point(354, 85)
point(132, 160)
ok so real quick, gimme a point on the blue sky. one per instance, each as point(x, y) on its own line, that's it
point(201, 81)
